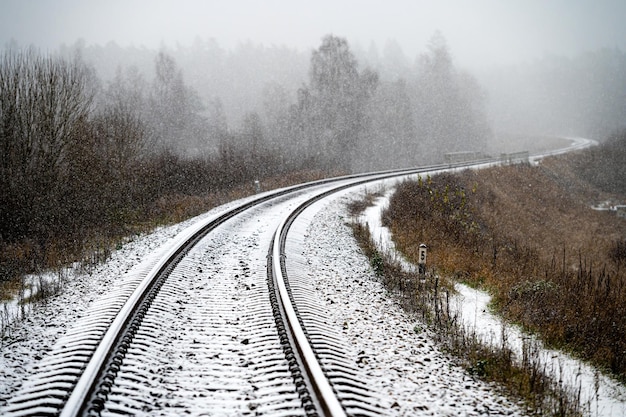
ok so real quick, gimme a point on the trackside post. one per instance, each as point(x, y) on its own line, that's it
point(421, 262)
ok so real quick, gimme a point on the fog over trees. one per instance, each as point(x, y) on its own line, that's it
point(578, 95)
point(334, 105)
point(96, 137)
point(581, 95)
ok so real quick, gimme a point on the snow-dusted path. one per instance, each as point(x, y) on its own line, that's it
point(215, 341)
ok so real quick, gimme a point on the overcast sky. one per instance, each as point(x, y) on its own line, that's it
point(477, 31)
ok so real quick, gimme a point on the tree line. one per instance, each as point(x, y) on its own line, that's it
point(82, 157)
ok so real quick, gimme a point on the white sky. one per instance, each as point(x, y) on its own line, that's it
point(477, 31)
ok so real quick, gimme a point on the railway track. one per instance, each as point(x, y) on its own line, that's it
point(100, 363)
point(192, 329)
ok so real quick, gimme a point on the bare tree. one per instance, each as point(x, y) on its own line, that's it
point(119, 123)
point(175, 108)
point(330, 113)
point(43, 102)
point(449, 104)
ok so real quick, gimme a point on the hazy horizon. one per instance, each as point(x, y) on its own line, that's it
point(479, 33)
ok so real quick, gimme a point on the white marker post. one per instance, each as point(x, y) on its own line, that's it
point(421, 263)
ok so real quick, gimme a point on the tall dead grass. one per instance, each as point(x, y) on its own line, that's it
point(429, 299)
point(547, 258)
point(29, 256)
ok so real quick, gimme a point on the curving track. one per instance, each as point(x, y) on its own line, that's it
point(219, 322)
point(189, 317)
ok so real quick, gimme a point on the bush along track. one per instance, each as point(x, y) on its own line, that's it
point(552, 264)
point(430, 300)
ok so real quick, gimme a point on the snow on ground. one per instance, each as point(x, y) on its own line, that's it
point(24, 342)
point(601, 395)
point(394, 351)
point(402, 364)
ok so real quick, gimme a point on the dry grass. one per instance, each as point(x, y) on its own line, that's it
point(28, 256)
point(429, 300)
point(529, 236)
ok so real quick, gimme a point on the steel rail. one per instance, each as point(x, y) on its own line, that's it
point(319, 391)
point(89, 393)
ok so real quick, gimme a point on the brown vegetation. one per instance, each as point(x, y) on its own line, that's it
point(94, 246)
point(528, 235)
point(429, 299)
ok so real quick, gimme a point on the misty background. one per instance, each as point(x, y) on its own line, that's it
point(121, 113)
point(544, 66)
point(523, 67)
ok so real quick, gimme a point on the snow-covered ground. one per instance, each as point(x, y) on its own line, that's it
point(393, 350)
point(402, 364)
point(600, 394)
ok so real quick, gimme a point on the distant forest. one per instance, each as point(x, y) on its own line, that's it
point(563, 95)
point(94, 139)
point(304, 104)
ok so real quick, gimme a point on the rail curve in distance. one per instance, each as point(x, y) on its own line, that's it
point(80, 374)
